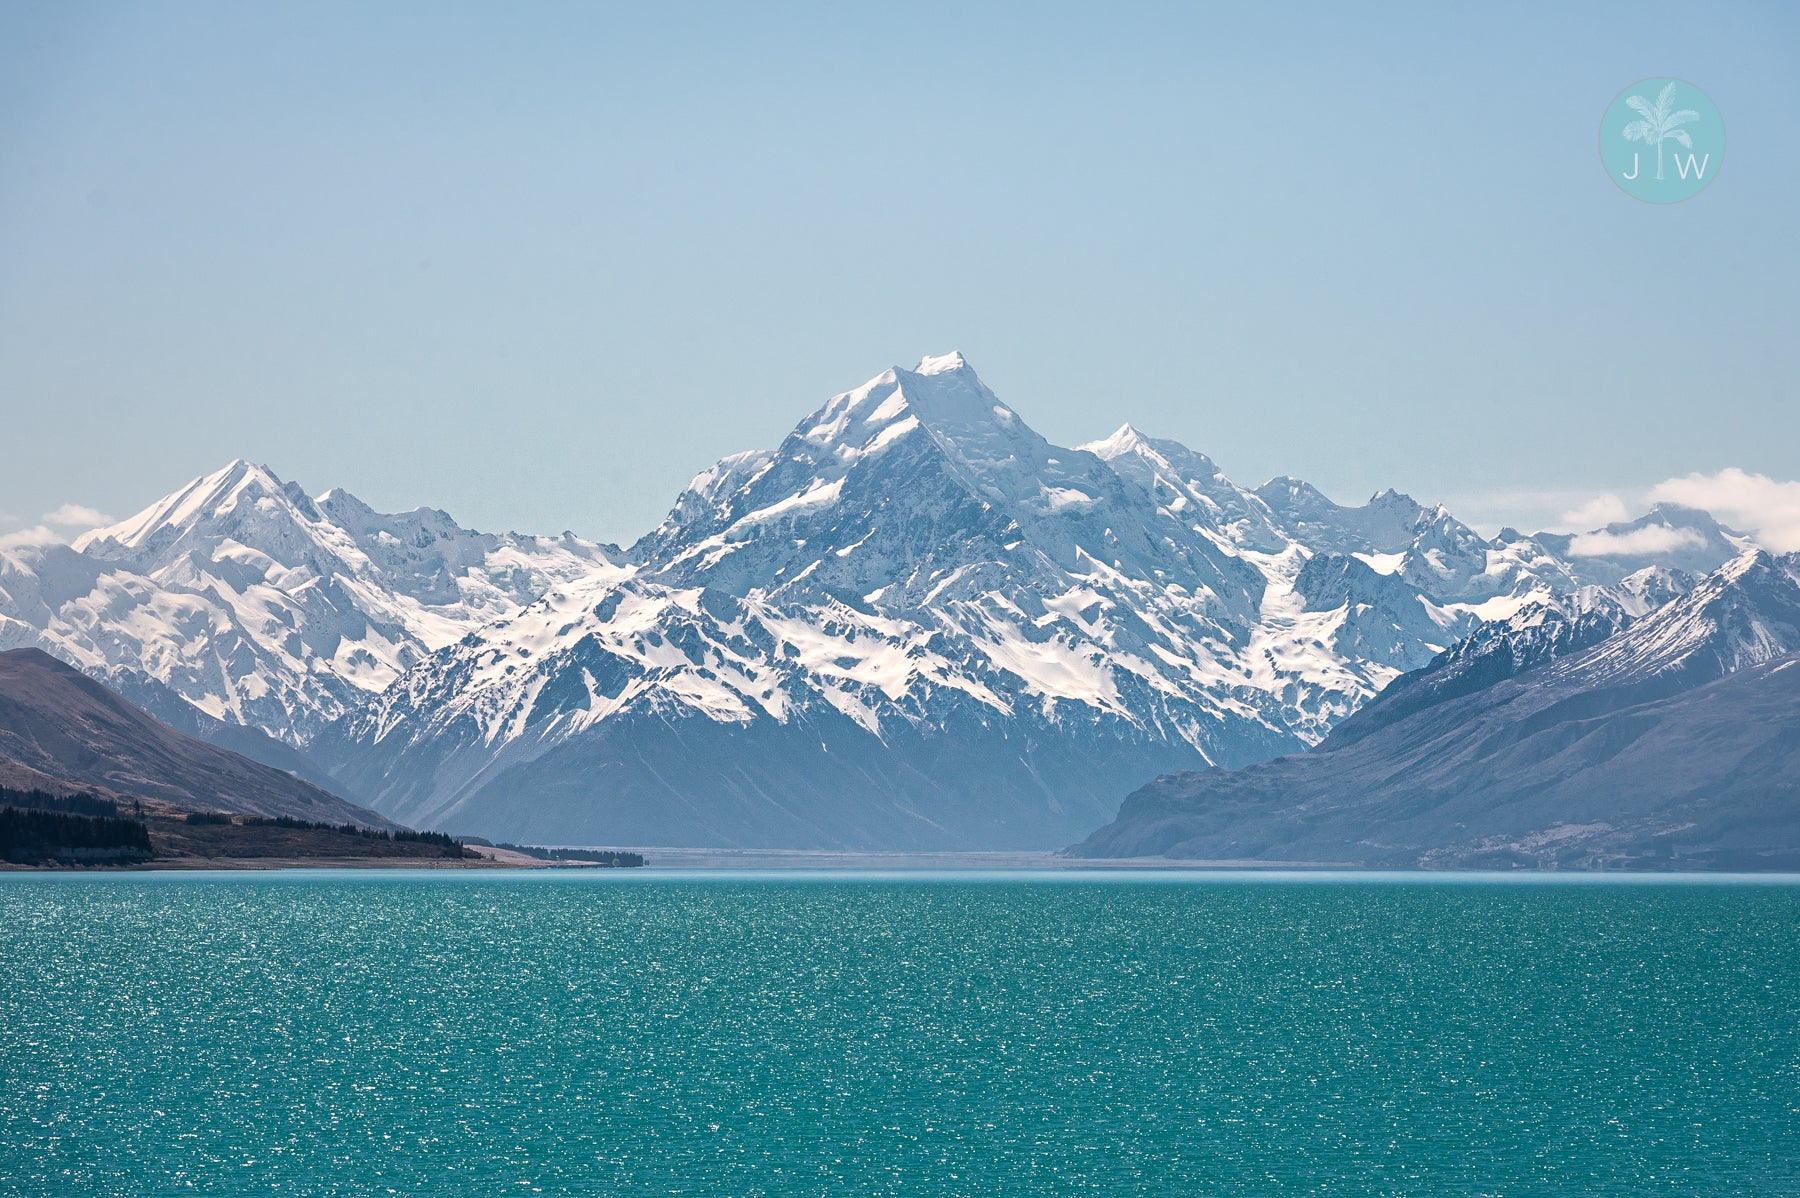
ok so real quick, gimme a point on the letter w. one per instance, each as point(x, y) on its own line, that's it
point(1682, 168)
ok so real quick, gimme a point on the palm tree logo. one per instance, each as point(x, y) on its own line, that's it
point(1659, 122)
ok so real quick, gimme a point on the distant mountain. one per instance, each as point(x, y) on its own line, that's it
point(1532, 636)
point(161, 702)
point(56, 723)
point(914, 623)
point(1668, 535)
point(917, 623)
point(1589, 734)
point(262, 607)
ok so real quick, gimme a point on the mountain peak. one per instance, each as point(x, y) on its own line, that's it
point(1679, 515)
point(1128, 440)
point(1288, 490)
point(209, 494)
point(942, 364)
point(1748, 562)
point(1125, 439)
point(943, 393)
point(1744, 613)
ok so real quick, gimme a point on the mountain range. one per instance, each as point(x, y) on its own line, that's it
point(1576, 734)
point(915, 623)
point(260, 607)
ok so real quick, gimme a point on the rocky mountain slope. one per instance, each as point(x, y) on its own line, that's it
point(1586, 734)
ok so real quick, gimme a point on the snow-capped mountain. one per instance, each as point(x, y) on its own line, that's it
point(915, 574)
point(260, 606)
point(1545, 740)
point(1538, 633)
point(1743, 614)
point(1667, 535)
point(916, 622)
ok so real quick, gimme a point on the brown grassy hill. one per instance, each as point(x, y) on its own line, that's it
point(58, 724)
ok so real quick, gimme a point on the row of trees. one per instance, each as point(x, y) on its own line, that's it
point(32, 837)
point(452, 847)
point(80, 803)
point(40, 826)
point(617, 858)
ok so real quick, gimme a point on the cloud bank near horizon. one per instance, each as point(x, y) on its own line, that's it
point(1650, 540)
point(76, 515)
point(1766, 508)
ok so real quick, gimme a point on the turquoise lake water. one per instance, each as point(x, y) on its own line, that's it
point(1017, 1034)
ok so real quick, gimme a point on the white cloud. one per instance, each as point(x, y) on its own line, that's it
point(75, 515)
point(1597, 512)
point(1535, 510)
point(26, 538)
point(1767, 509)
point(1652, 538)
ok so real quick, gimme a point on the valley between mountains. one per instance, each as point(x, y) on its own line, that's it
point(914, 623)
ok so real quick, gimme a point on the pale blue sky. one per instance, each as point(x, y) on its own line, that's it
point(538, 265)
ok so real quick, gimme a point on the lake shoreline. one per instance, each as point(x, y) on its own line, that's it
point(486, 859)
point(665, 861)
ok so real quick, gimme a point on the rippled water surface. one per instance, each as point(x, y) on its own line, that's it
point(1016, 1034)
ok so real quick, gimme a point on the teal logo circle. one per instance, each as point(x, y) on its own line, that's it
point(1662, 141)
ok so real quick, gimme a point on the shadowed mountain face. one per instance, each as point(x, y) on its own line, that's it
point(58, 722)
point(1583, 738)
point(163, 704)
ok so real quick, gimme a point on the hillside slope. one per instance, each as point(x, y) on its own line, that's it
point(57, 723)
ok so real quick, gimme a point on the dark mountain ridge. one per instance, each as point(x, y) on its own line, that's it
point(1673, 738)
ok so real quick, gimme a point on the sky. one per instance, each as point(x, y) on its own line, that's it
point(538, 265)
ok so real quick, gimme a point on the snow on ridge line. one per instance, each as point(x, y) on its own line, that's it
point(1182, 614)
point(820, 494)
point(941, 364)
point(1381, 563)
point(207, 492)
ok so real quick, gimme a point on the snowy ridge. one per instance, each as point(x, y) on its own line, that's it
point(915, 620)
point(1607, 729)
point(1657, 631)
point(261, 606)
point(914, 561)
point(1744, 614)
